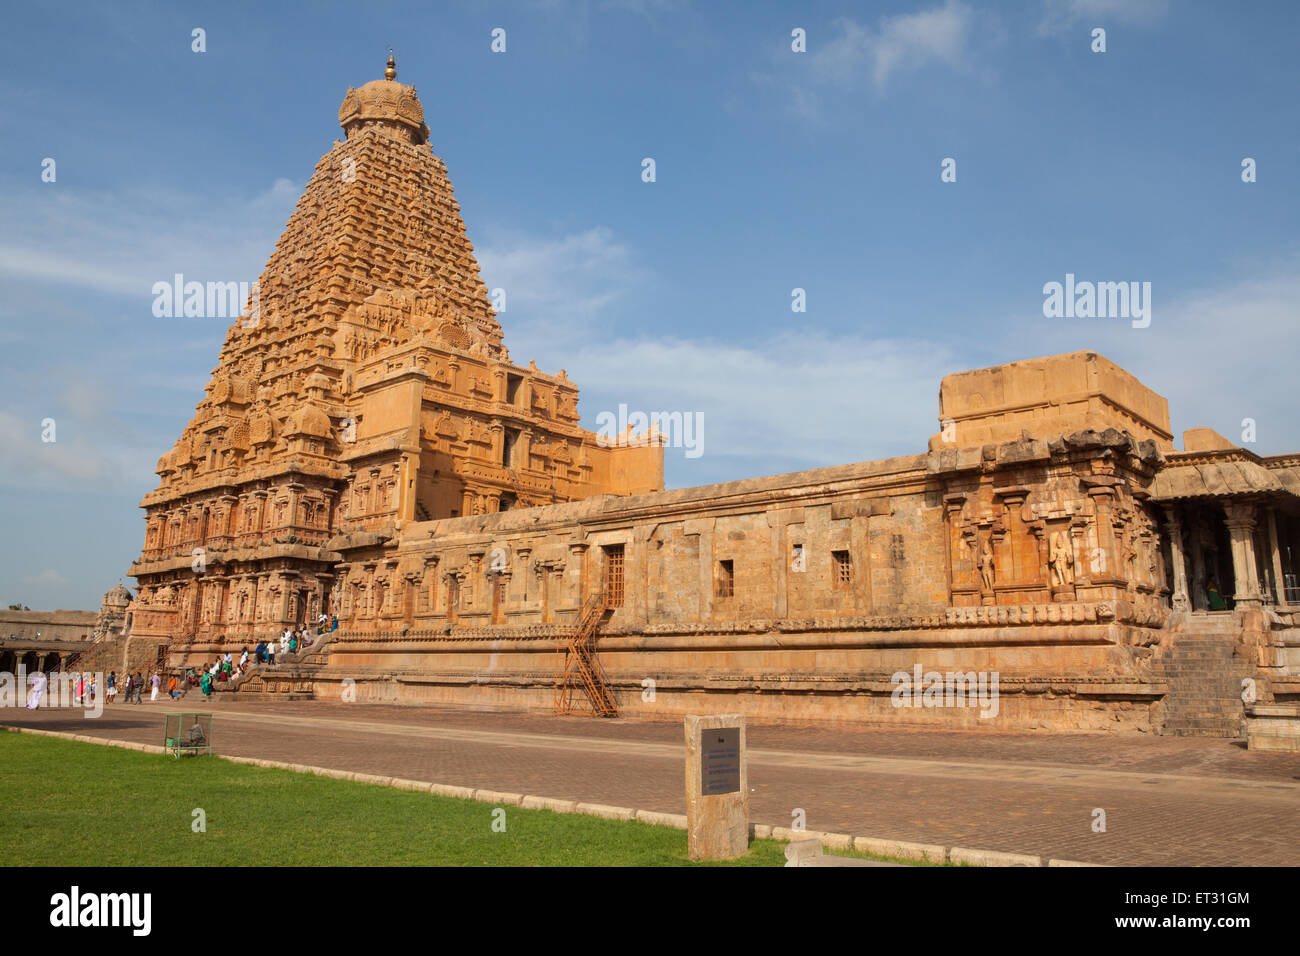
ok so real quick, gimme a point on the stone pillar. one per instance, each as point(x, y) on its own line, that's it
point(1241, 527)
point(860, 554)
point(1017, 535)
point(286, 587)
point(1275, 552)
point(295, 489)
point(962, 561)
point(576, 573)
point(1103, 498)
point(259, 510)
point(1174, 528)
point(521, 589)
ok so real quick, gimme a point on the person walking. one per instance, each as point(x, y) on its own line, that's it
point(156, 684)
point(111, 689)
point(270, 652)
point(38, 682)
point(206, 685)
point(139, 687)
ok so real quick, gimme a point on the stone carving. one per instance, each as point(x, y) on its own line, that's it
point(1061, 559)
point(986, 565)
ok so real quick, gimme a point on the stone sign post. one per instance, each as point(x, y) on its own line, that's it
point(717, 787)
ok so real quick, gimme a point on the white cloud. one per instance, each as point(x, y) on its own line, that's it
point(795, 396)
point(1060, 15)
point(122, 242)
point(800, 395)
point(859, 57)
point(556, 288)
point(901, 43)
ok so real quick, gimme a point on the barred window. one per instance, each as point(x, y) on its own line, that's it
point(842, 570)
point(614, 575)
point(726, 579)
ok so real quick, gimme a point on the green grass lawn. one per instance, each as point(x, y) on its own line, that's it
point(69, 803)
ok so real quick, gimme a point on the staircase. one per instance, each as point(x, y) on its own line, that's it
point(287, 665)
point(116, 653)
point(1204, 677)
point(580, 685)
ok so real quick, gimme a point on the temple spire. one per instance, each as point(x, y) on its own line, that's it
point(390, 72)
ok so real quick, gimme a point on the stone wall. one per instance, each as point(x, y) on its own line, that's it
point(797, 597)
point(48, 625)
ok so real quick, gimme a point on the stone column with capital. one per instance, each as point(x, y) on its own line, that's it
point(1241, 528)
point(1103, 498)
point(1174, 528)
point(575, 572)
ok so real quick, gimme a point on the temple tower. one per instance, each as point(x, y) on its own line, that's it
point(366, 384)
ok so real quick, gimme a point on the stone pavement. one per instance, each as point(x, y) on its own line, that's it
point(1168, 800)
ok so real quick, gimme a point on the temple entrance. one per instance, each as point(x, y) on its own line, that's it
point(1211, 581)
point(8, 662)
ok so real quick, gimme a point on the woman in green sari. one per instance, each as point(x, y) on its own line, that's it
point(1213, 598)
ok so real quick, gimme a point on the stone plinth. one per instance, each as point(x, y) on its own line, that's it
point(1274, 727)
point(717, 787)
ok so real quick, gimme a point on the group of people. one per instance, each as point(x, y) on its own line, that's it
point(292, 641)
point(135, 685)
point(224, 668)
point(85, 688)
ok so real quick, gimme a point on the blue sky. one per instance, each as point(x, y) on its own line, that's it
point(775, 170)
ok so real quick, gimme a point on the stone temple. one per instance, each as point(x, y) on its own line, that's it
point(367, 448)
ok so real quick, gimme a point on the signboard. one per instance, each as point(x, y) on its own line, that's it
point(720, 761)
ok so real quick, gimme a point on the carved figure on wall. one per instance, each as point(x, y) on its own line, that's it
point(1061, 559)
point(1130, 557)
point(986, 565)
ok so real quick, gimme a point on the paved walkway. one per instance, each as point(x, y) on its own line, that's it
point(1171, 801)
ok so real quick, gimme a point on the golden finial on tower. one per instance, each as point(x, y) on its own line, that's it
point(391, 72)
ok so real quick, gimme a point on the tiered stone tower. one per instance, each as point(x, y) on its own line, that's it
point(365, 386)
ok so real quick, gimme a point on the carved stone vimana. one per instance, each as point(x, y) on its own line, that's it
point(366, 385)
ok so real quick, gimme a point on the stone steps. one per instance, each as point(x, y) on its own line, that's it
point(1204, 677)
